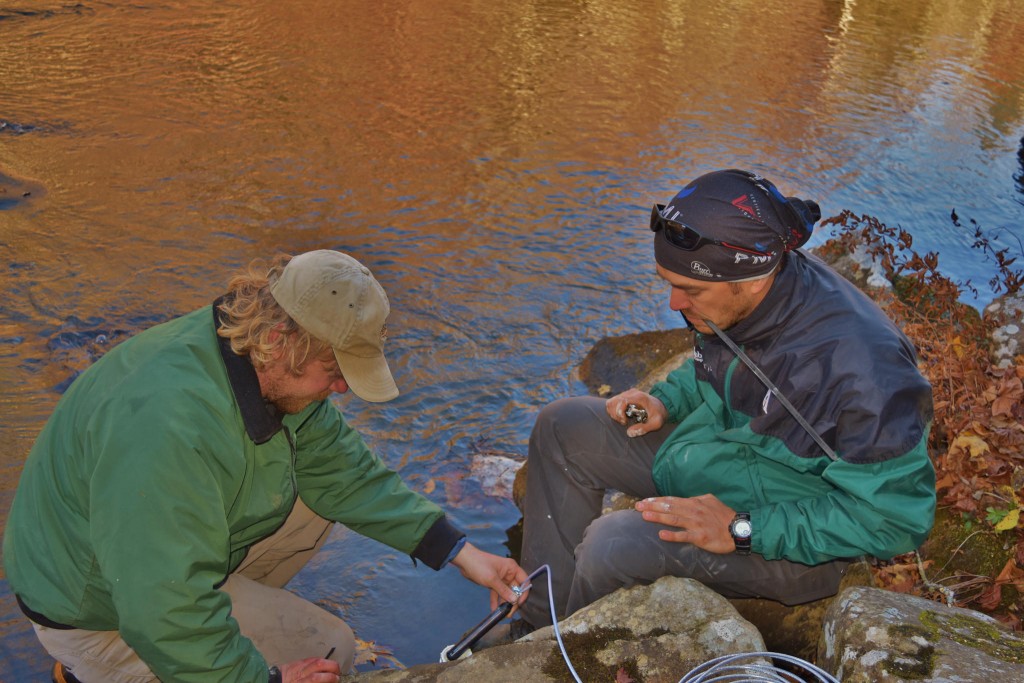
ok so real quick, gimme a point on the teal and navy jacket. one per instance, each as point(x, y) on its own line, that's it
point(158, 469)
point(853, 376)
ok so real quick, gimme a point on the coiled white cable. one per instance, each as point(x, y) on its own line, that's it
point(750, 667)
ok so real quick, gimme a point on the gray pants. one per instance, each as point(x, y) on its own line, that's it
point(283, 626)
point(576, 453)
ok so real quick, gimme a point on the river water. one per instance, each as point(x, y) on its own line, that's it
point(493, 163)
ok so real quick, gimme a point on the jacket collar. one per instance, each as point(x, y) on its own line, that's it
point(261, 420)
point(777, 306)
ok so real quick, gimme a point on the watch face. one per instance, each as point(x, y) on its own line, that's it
point(741, 528)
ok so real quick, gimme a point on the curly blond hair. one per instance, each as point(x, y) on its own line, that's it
point(250, 317)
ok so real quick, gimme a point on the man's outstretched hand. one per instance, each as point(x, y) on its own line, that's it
point(490, 571)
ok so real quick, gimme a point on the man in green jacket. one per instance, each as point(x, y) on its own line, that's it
point(736, 491)
point(187, 475)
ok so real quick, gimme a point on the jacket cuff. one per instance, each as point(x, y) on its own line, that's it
point(437, 543)
point(662, 395)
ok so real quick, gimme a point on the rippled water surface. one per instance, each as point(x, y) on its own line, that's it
point(493, 163)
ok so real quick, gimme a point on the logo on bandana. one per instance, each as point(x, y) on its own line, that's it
point(743, 203)
point(758, 259)
point(700, 269)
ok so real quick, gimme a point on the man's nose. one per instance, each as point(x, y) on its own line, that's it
point(340, 386)
point(678, 301)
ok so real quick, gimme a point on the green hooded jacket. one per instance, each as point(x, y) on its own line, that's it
point(853, 376)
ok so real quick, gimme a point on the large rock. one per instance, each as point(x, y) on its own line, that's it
point(615, 364)
point(654, 633)
point(872, 635)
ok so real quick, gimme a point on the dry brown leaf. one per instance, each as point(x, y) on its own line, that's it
point(970, 443)
point(369, 652)
point(622, 676)
point(991, 597)
point(1012, 574)
point(958, 347)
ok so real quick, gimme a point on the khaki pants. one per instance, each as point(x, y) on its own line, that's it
point(283, 626)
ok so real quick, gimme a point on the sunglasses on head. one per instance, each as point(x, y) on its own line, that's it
point(685, 237)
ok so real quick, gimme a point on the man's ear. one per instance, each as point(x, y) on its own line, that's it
point(274, 337)
point(759, 286)
point(275, 333)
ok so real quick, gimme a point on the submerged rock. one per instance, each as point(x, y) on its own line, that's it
point(496, 473)
point(14, 192)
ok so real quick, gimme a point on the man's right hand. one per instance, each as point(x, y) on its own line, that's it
point(657, 414)
point(312, 670)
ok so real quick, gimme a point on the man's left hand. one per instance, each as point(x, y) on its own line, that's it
point(703, 521)
point(490, 571)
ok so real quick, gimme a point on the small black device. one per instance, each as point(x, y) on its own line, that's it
point(636, 413)
point(474, 634)
point(470, 637)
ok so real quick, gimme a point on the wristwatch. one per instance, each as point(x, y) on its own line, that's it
point(740, 528)
point(275, 675)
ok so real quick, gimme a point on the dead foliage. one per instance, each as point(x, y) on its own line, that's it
point(977, 439)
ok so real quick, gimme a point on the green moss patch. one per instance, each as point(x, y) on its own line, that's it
point(976, 633)
point(583, 649)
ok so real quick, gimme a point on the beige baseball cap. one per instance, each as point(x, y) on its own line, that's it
point(337, 300)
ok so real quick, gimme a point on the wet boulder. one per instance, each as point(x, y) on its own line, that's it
point(615, 364)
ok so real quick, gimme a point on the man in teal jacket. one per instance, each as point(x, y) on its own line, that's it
point(187, 475)
point(736, 493)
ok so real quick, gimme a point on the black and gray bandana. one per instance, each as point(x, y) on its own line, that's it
point(730, 225)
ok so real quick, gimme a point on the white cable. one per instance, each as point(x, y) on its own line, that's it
point(730, 668)
point(554, 619)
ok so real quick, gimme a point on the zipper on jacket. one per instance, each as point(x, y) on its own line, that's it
point(727, 392)
point(291, 471)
